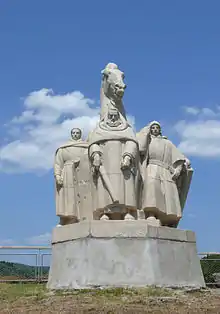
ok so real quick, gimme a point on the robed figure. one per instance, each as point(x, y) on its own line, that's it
point(72, 180)
point(113, 154)
point(166, 176)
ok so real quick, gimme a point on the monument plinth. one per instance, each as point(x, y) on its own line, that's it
point(120, 197)
point(123, 254)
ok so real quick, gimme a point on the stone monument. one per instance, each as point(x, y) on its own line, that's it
point(166, 177)
point(120, 229)
point(72, 180)
point(113, 154)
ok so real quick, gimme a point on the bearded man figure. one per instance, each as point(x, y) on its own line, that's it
point(114, 157)
point(72, 179)
point(166, 175)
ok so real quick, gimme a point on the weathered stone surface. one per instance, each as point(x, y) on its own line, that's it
point(119, 253)
point(166, 177)
point(119, 229)
point(115, 193)
point(113, 154)
point(72, 180)
point(71, 232)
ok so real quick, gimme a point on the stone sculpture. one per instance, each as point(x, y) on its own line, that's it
point(113, 153)
point(72, 180)
point(103, 180)
point(122, 175)
point(166, 175)
point(112, 91)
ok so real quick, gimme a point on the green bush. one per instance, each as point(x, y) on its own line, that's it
point(210, 265)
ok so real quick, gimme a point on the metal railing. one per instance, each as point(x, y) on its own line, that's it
point(24, 263)
point(210, 263)
point(31, 264)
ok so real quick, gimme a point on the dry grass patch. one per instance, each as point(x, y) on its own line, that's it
point(35, 298)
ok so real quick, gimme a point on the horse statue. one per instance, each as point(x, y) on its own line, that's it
point(112, 91)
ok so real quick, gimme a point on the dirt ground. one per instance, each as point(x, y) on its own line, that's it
point(32, 298)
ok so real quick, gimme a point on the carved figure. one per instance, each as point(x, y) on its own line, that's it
point(113, 153)
point(112, 91)
point(166, 176)
point(72, 180)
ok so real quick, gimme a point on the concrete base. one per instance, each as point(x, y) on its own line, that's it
point(123, 254)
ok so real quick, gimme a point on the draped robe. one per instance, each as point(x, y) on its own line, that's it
point(160, 195)
point(71, 163)
point(112, 144)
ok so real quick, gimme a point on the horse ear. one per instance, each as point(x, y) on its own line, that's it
point(105, 72)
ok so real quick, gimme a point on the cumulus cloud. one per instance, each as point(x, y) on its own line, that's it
point(37, 240)
point(202, 112)
point(191, 110)
point(200, 136)
point(44, 124)
point(42, 239)
point(7, 242)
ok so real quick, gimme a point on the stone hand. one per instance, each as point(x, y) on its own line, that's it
point(187, 163)
point(59, 181)
point(176, 174)
point(76, 163)
point(96, 161)
point(126, 162)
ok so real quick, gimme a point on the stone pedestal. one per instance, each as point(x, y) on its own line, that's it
point(123, 254)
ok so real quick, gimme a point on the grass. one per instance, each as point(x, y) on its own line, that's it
point(118, 292)
point(14, 291)
point(35, 298)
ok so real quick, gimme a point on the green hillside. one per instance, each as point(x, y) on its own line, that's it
point(20, 270)
point(210, 266)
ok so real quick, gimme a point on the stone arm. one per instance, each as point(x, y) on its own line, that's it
point(178, 169)
point(95, 155)
point(143, 138)
point(58, 167)
point(130, 155)
point(183, 182)
point(178, 160)
point(187, 163)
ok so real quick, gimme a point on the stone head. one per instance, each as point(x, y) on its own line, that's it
point(113, 118)
point(155, 128)
point(113, 81)
point(76, 134)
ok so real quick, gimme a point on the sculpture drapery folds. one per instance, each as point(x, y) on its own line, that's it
point(166, 177)
point(116, 174)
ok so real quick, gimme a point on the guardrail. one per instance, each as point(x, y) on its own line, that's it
point(31, 264)
point(24, 263)
point(210, 263)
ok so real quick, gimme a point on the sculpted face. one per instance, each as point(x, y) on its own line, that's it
point(115, 80)
point(76, 134)
point(155, 130)
point(113, 119)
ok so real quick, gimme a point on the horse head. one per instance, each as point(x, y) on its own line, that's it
point(113, 82)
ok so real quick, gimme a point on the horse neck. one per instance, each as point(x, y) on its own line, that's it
point(105, 101)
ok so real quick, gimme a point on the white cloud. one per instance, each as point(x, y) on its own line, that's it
point(38, 240)
point(42, 239)
point(7, 242)
point(200, 136)
point(44, 125)
point(191, 110)
point(202, 112)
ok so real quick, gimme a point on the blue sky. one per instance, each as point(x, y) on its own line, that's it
point(51, 56)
